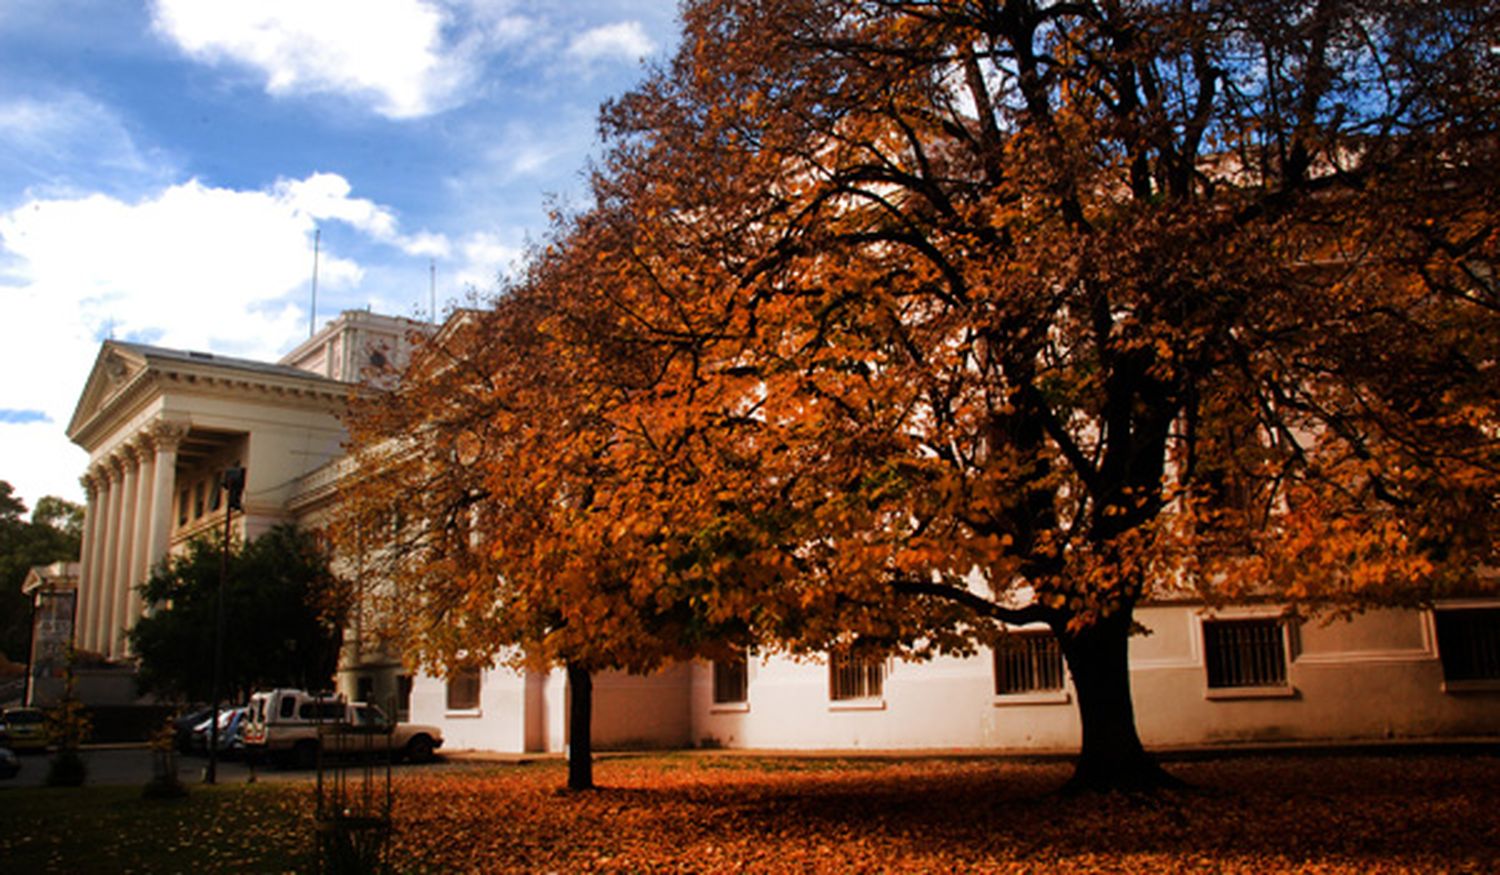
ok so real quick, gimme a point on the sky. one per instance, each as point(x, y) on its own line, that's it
point(166, 166)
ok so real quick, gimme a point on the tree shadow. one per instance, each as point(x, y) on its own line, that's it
point(1289, 809)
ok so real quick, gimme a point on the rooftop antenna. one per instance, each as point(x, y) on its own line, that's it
point(432, 290)
point(312, 313)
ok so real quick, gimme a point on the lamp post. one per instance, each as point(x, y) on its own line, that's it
point(232, 481)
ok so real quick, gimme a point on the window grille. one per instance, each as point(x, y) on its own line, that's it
point(403, 697)
point(1028, 662)
point(463, 689)
point(1244, 653)
point(854, 678)
point(731, 680)
point(1469, 643)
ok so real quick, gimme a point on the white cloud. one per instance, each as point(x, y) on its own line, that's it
point(190, 266)
point(325, 196)
point(395, 52)
point(62, 139)
point(485, 257)
point(623, 41)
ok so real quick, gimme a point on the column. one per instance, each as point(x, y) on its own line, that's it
point(166, 435)
point(91, 515)
point(100, 574)
point(130, 464)
point(140, 549)
point(110, 566)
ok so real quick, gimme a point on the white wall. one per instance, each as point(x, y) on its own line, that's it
point(1373, 677)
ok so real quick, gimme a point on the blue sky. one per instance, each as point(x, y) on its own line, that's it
point(164, 165)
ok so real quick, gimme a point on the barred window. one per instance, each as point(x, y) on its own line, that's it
point(1469, 643)
point(851, 678)
point(1244, 653)
point(403, 697)
point(1028, 662)
point(463, 689)
point(731, 680)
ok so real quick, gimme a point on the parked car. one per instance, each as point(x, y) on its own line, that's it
point(231, 735)
point(10, 764)
point(294, 726)
point(183, 726)
point(25, 729)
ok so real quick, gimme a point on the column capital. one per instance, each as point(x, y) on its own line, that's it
point(90, 482)
point(113, 467)
point(144, 443)
point(166, 434)
point(129, 455)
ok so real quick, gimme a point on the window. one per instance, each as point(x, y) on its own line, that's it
point(198, 500)
point(182, 507)
point(851, 678)
point(403, 697)
point(1244, 653)
point(1469, 643)
point(322, 711)
point(1028, 662)
point(731, 680)
point(463, 690)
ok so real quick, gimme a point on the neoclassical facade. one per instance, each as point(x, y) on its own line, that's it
point(161, 424)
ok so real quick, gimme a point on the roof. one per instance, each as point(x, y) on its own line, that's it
point(124, 373)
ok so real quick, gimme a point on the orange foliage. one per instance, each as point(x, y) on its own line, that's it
point(893, 322)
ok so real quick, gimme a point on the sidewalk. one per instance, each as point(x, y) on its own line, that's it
point(1455, 746)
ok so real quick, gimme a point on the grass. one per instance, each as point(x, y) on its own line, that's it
point(712, 813)
point(226, 828)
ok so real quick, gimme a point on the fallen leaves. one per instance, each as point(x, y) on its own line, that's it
point(727, 813)
point(718, 814)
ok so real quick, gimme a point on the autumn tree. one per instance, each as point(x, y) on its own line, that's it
point(1007, 312)
point(494, 499)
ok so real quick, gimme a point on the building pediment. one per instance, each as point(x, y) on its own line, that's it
point(117, 367)
point(127, 374)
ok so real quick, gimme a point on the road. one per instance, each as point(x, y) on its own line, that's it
point(132, 765)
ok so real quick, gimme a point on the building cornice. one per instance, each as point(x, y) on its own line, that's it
point(156, 375)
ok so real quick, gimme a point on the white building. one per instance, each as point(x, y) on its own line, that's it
point(160, 424)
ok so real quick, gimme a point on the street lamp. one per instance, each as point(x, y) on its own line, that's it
point(232, 481)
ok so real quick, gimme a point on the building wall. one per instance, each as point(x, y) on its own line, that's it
point(1374, 676)
point(1377, 675)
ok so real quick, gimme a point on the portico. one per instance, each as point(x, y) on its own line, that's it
point(161, 424)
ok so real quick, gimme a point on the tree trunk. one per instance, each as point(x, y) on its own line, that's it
point(580, 728)
point(1111, 757)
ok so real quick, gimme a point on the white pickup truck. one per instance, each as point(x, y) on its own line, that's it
point(295, 725)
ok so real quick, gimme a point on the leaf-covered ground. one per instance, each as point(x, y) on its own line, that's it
point(1336, 814)
point(721, 813)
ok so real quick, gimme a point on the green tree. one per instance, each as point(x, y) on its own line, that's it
point(284, 625)
point(52, 534)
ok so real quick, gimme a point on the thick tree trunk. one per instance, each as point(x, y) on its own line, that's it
point(1111, 757)
point(580, 728)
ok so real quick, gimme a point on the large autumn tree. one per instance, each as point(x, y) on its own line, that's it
point(1022, 311)
point(894, 322)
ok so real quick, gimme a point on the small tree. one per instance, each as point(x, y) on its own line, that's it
point(69, 726)
point(286, 628)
